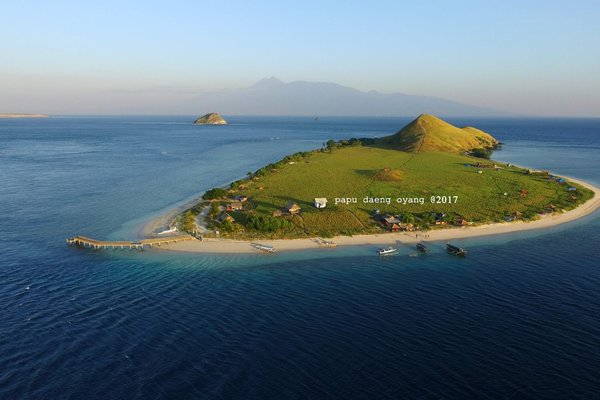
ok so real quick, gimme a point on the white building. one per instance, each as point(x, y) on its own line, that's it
point(320, 202)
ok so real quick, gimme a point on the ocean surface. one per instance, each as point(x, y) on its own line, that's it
point(518, 318)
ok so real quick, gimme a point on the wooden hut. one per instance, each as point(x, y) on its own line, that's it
point(292, 208)
point(406, 227)
point(235, 206)
point(225, 217)
point(389, 221)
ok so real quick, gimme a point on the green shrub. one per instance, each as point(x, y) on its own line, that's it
point(267, 223)
point(188, 221)
point(214, 210)
point(216, 193)
point(482, 153)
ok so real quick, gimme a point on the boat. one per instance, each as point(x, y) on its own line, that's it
point(326, 243)
point(457, 251)
point(173, 229)
point(265, 248)
point(422, 248)
point(387, 251)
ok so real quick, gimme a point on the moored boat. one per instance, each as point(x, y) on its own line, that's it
point(457, 251)
point(422, 248)
point(387, 251)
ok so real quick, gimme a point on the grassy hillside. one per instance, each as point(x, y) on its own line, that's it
point(429, 133)
point(354, 173)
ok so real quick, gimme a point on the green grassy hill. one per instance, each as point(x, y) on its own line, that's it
point(429, 133)
point(453, 187)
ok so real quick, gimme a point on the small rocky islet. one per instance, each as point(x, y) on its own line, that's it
point(210, 119)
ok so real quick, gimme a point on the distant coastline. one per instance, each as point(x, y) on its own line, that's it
point(20, 115)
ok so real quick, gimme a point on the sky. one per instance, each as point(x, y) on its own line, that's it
point(539, 58)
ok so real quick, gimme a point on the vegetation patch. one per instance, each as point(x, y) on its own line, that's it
point(389, 175)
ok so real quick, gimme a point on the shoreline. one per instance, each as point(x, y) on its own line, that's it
point(232, 246)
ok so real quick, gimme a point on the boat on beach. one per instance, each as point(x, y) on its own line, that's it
point(171, 230)
point(326, 243)
point(387, 251)
point(264, 248)
point(457, 251)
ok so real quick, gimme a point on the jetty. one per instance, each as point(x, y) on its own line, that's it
point(84, 241)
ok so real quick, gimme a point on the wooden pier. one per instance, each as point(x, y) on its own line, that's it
point(83, 241)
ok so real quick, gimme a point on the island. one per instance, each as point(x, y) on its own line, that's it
point(210, 119)
point(16, 115)
point(429, 181)
point(426, 178)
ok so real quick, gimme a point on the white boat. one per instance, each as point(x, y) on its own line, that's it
point(173, 229)
point(386, 251)
point(262, 247)
point(326, 243)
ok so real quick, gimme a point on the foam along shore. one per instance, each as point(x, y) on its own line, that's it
point(229, 246)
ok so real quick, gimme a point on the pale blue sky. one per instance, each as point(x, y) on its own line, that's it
point(530, 57)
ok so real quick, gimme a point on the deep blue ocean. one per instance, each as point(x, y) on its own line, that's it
point(519, 318)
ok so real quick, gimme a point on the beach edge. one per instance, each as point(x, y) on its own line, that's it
point(231, 246)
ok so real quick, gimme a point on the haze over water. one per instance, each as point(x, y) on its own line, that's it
point(518, 318)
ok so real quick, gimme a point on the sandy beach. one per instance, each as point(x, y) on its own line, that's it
point(228, 246)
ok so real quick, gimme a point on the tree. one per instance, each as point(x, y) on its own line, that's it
point(188, 221)
point(214, 210)
point(481, 153)
point(451, 219)
point(216, 193)
point(330, 144)
point(407, 217)
point(227, 226)
point(429, 218)
point(267, 223)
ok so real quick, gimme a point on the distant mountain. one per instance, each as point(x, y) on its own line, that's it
point(270, 96)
